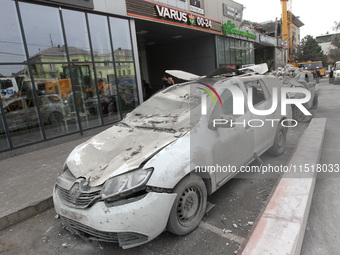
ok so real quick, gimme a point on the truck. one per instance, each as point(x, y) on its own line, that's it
point(8, 87)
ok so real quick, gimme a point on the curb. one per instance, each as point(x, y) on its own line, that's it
point(281, 227)
point(25, 213)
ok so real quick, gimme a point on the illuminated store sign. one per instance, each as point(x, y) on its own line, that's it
point(181, 16)
point(150, 10)
point(229, 29)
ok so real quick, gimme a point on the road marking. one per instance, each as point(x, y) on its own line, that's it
point(230, 236)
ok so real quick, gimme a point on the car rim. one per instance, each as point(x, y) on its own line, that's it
point(189, 205)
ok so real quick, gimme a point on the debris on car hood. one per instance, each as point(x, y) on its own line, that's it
point(117, 150)
point(149, 128)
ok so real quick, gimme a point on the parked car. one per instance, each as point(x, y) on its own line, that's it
point(336, 73)
point(146, 174)
point(305, 80)
point(21, 112)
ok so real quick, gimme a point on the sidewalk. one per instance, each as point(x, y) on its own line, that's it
point(27, 181)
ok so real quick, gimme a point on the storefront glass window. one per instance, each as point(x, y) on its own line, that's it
point(12, 48)
point(43, 33)
point(227, 50)
point(77, 36)
point(107, 88)
point(54, 89)
point(85, 96)
point(4, 143)
point(121, 38)
point(100, 38)
point(19, 105)
point(221, 52)
point(127, 87)
point(232, 52)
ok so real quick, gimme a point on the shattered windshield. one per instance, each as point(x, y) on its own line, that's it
point(168, 110)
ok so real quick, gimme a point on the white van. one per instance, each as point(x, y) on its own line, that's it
point(8, 87)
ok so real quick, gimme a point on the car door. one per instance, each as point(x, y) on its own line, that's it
point(261, 100)
point(233, 146)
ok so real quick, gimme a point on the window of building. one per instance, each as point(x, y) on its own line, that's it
point(11, 44)
point(73, 88)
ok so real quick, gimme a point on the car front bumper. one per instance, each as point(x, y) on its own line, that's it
point(130, 224)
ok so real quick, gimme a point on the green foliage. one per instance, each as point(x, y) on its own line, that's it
point(310, 50)
point(334, 54)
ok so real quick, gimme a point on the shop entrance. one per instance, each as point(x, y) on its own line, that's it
point(165, 47)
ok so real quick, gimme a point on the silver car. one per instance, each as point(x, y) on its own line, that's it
point(150, 172)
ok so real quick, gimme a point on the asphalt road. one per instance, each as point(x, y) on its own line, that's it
point(237, 204)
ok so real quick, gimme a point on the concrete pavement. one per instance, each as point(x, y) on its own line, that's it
point(27, 181)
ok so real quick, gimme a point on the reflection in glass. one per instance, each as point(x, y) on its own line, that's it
point(100, 38)
point(53, 85)
point(227, 51)
point(221, 58)
point(120, 31)
point(11, 46)
point(4, 144)
point(43, 33)
point(85, 97)
point(19, 106)
point(108, 92)
point(77, 36)
point(127, 86)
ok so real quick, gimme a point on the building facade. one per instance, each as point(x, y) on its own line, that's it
point(71, 66)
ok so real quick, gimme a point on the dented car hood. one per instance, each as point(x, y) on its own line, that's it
point(115, 151)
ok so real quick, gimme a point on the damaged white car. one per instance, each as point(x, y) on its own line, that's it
point(145, 174)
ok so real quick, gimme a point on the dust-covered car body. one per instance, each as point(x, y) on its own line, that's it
point(147, 173)
point(303, 79)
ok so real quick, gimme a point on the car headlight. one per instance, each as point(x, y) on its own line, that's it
point(125, 184)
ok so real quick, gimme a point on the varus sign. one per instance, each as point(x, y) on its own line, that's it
point(182, 16)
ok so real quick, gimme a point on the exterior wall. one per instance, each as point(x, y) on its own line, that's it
point(117, 7)
point(215, 9)
point(175, 3)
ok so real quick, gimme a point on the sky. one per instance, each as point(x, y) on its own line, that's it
point(318, 18)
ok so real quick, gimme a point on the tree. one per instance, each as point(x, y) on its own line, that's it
point(310, 50)
point(334, 54)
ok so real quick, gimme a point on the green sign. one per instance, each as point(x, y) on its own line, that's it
point(229, 28)
point(239, 59)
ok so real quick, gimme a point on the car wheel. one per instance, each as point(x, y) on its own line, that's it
point(298, 115)
point(189, 206)
point(279, 145)
point(55, 117)
point(315, 101)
